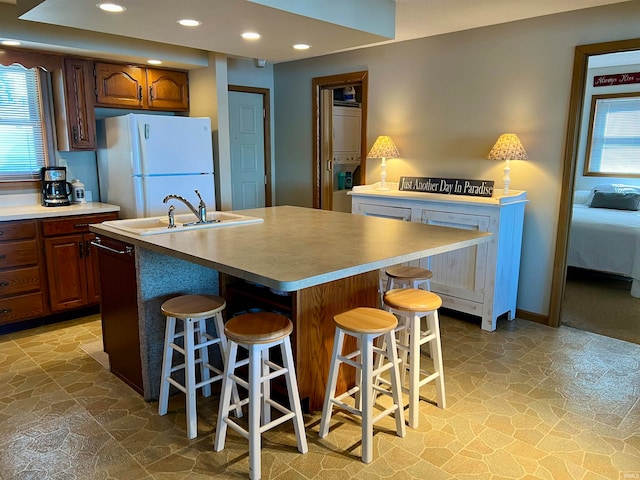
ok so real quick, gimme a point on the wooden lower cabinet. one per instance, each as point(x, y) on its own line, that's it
point(72, 271)
point(22, 284)
point(119, 310)
point(311, 311)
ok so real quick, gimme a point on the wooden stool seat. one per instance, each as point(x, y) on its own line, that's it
point(192, 341)
point(412, 300)
point(258, 332)
point(261, 327)
point(366, 324)
point(408, 273)
point(193, 306)
point(410, 305)
point(366, 320)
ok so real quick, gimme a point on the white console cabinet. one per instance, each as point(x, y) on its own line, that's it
point(480, 280)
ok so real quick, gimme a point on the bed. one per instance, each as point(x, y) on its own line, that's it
point(606, 239)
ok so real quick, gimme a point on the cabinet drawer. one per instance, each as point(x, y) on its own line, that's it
point(77, 224)
point(17, 230)
point(18, 254)
point(19, 280)
point(21, 307)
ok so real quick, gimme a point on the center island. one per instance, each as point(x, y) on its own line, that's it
point(306, 263)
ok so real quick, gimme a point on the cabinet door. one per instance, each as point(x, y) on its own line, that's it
point(73, 105)
point(384, 211)
point(120, 86)
point(119, 310)
point(93, 269)
point(167, 90)
point(460, 273)
point(66, 272)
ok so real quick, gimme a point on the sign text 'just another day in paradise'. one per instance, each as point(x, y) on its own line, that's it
point(449, 186)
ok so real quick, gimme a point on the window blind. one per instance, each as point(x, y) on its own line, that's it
point(615, 142)
point(22, 132)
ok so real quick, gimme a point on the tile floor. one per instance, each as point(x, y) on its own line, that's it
point(525, 402)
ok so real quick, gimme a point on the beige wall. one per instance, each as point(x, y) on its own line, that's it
point(446, 99)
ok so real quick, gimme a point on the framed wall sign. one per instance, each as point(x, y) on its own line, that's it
point(448, 186)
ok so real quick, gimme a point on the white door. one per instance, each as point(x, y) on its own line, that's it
point(246, 120)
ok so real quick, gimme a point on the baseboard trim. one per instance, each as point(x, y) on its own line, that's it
point(533, 317)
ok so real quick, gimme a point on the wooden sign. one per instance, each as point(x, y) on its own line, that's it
point(616, 79)
point(448, 186)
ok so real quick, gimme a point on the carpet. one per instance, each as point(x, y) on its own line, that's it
point(96, 351)
point(602, 304)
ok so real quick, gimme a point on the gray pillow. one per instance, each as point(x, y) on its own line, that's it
point(615, 200)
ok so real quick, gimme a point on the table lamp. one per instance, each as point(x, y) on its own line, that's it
point(508, 147)
point(383, 148)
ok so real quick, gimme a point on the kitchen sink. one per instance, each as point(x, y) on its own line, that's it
point(183, 222)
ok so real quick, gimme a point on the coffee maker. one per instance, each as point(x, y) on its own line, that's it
point(55, 188)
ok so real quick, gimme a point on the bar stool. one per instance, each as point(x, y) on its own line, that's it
point(406, 276)
point(409, 276)
point(257, 332)
point(366, 324)
point(411, 304)
point(193, 310)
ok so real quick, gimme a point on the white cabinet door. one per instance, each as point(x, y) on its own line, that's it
point(460, 273)
point(384, 211)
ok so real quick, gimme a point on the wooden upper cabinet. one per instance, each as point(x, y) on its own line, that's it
point(168, 89)
point(120, 86)
point(73, 105)
point(126, 86)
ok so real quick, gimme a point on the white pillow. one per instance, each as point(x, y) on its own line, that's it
point(581, 196)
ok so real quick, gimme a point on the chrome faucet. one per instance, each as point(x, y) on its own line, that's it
point(200, 212)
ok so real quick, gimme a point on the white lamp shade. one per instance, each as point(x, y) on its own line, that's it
point(508, 147)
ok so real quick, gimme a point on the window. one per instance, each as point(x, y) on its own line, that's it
point(23, 136)
point(614, 138)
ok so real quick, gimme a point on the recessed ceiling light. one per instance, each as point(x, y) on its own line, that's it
point(154, 62)
point(187, 22)
point(250, 35)
point(111, 7)
point(301, 46)
point(10, 43)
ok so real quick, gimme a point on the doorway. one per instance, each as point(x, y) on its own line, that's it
point(250, 139)
point(324, 168)
point(582, 55)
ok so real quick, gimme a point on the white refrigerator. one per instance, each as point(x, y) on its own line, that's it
point(142, 158)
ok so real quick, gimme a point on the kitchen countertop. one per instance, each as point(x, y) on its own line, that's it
point(297, 247)
point(35, 210)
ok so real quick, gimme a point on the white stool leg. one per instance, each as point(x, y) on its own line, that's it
point(366, 394)
point(167, 360)
point(255, 373)
point(396, 386)
point(334, 367)
point(436, 355)
point(294, 395)
point(266, 387)
point(190, 378)
point(219, 322)
point(414, 369)
point(203, 355)
point(225, 397)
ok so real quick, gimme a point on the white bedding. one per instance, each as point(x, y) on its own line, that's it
point(606, 240)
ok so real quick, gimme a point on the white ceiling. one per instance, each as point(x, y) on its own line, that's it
point(224, 20)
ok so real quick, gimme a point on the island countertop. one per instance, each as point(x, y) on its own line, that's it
point(297, 247)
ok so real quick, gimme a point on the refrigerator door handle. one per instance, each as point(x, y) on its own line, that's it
point(146, 131)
